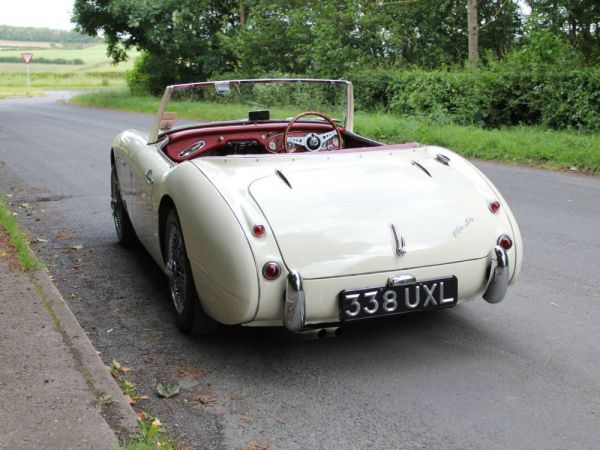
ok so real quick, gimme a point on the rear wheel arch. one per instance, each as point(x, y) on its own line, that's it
point(166, 206)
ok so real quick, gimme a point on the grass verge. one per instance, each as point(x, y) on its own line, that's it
point(17, 238)
point(15, 84)
point(534, 146)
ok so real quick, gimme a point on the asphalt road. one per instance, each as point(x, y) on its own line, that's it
point(523, 374)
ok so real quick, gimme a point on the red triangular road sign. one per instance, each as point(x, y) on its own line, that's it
point(27, 57)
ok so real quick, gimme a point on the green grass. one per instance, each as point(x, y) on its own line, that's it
point(93, 56)
point(191, 110)
point(17, 238)
point(17, 82)
point(96, 72)
point(533, 146)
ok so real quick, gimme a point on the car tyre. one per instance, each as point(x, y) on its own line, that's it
point(189, 315)
point(125, 232)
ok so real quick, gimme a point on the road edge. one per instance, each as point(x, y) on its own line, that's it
point(118, 413)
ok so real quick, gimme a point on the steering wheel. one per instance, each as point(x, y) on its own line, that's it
point(312, 142)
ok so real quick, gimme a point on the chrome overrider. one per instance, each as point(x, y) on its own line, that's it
point(499, 276)
point(294, 309)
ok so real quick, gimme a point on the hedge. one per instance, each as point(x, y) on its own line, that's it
point(42, 60)
point(553, 98)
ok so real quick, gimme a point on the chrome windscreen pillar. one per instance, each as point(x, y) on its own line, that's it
point(294, 312)
point(499, 277)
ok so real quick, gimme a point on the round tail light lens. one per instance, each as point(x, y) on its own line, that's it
point(494, 206)
point(258, 230)
point(271, 270)
point(505, 242)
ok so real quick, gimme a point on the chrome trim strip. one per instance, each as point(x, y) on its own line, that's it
point(442, 159)
point(499, 275)
point(192, 149)
point(415, 163)
point(280, 174)
point(401, 280)
point(400, 244)
point(153, 136)
point(294, 309)
point(349, 107)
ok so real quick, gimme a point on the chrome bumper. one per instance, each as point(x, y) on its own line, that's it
point(294, 309)
point(499, 277)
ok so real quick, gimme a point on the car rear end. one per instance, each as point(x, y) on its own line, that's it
point(382, 232)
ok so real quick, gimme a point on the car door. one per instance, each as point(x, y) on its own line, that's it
point(150, 168)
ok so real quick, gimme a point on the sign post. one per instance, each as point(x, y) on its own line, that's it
point(27, 58)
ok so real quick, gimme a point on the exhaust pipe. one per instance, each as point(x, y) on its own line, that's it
point(330, 331)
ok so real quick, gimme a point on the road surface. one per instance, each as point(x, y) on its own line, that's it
point(521, 374)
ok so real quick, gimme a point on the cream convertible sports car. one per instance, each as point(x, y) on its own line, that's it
point(287, 217)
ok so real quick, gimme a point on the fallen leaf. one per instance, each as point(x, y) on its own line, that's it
point(24, 205)
point(205, 399)
point(115, 366)
point(188, 372)
point(259, 446)
point(3, 254)
point(41, 240)
point(77, 247)
point(110, 330)
point(167, 390)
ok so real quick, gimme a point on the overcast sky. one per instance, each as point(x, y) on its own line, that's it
point(37, 13)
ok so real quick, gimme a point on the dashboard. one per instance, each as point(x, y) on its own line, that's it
point(240, 139)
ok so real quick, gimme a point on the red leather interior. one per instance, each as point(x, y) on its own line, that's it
point(218, 136)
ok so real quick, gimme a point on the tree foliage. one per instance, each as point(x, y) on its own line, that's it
point(576, 20)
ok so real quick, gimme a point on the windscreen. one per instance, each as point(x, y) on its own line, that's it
point(261, 100)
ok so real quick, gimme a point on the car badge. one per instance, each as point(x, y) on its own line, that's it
point(399, 240)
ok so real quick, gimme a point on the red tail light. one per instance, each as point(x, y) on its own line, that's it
point(505, 242)
point(494, 206)
point(271, 270)
point(258, 230)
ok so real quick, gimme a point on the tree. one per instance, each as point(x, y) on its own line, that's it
point(578, 20)
point(199, 39)
point(181, 37)
point(473, 27)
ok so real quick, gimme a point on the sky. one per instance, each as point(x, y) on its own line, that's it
point(54, 14)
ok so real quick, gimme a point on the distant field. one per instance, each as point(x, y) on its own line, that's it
point(96, 72)
point(93, 56)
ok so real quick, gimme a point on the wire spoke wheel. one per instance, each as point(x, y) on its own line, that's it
point(125, 232)
point(116, 203)
point(188, 312)
point(176, 265)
